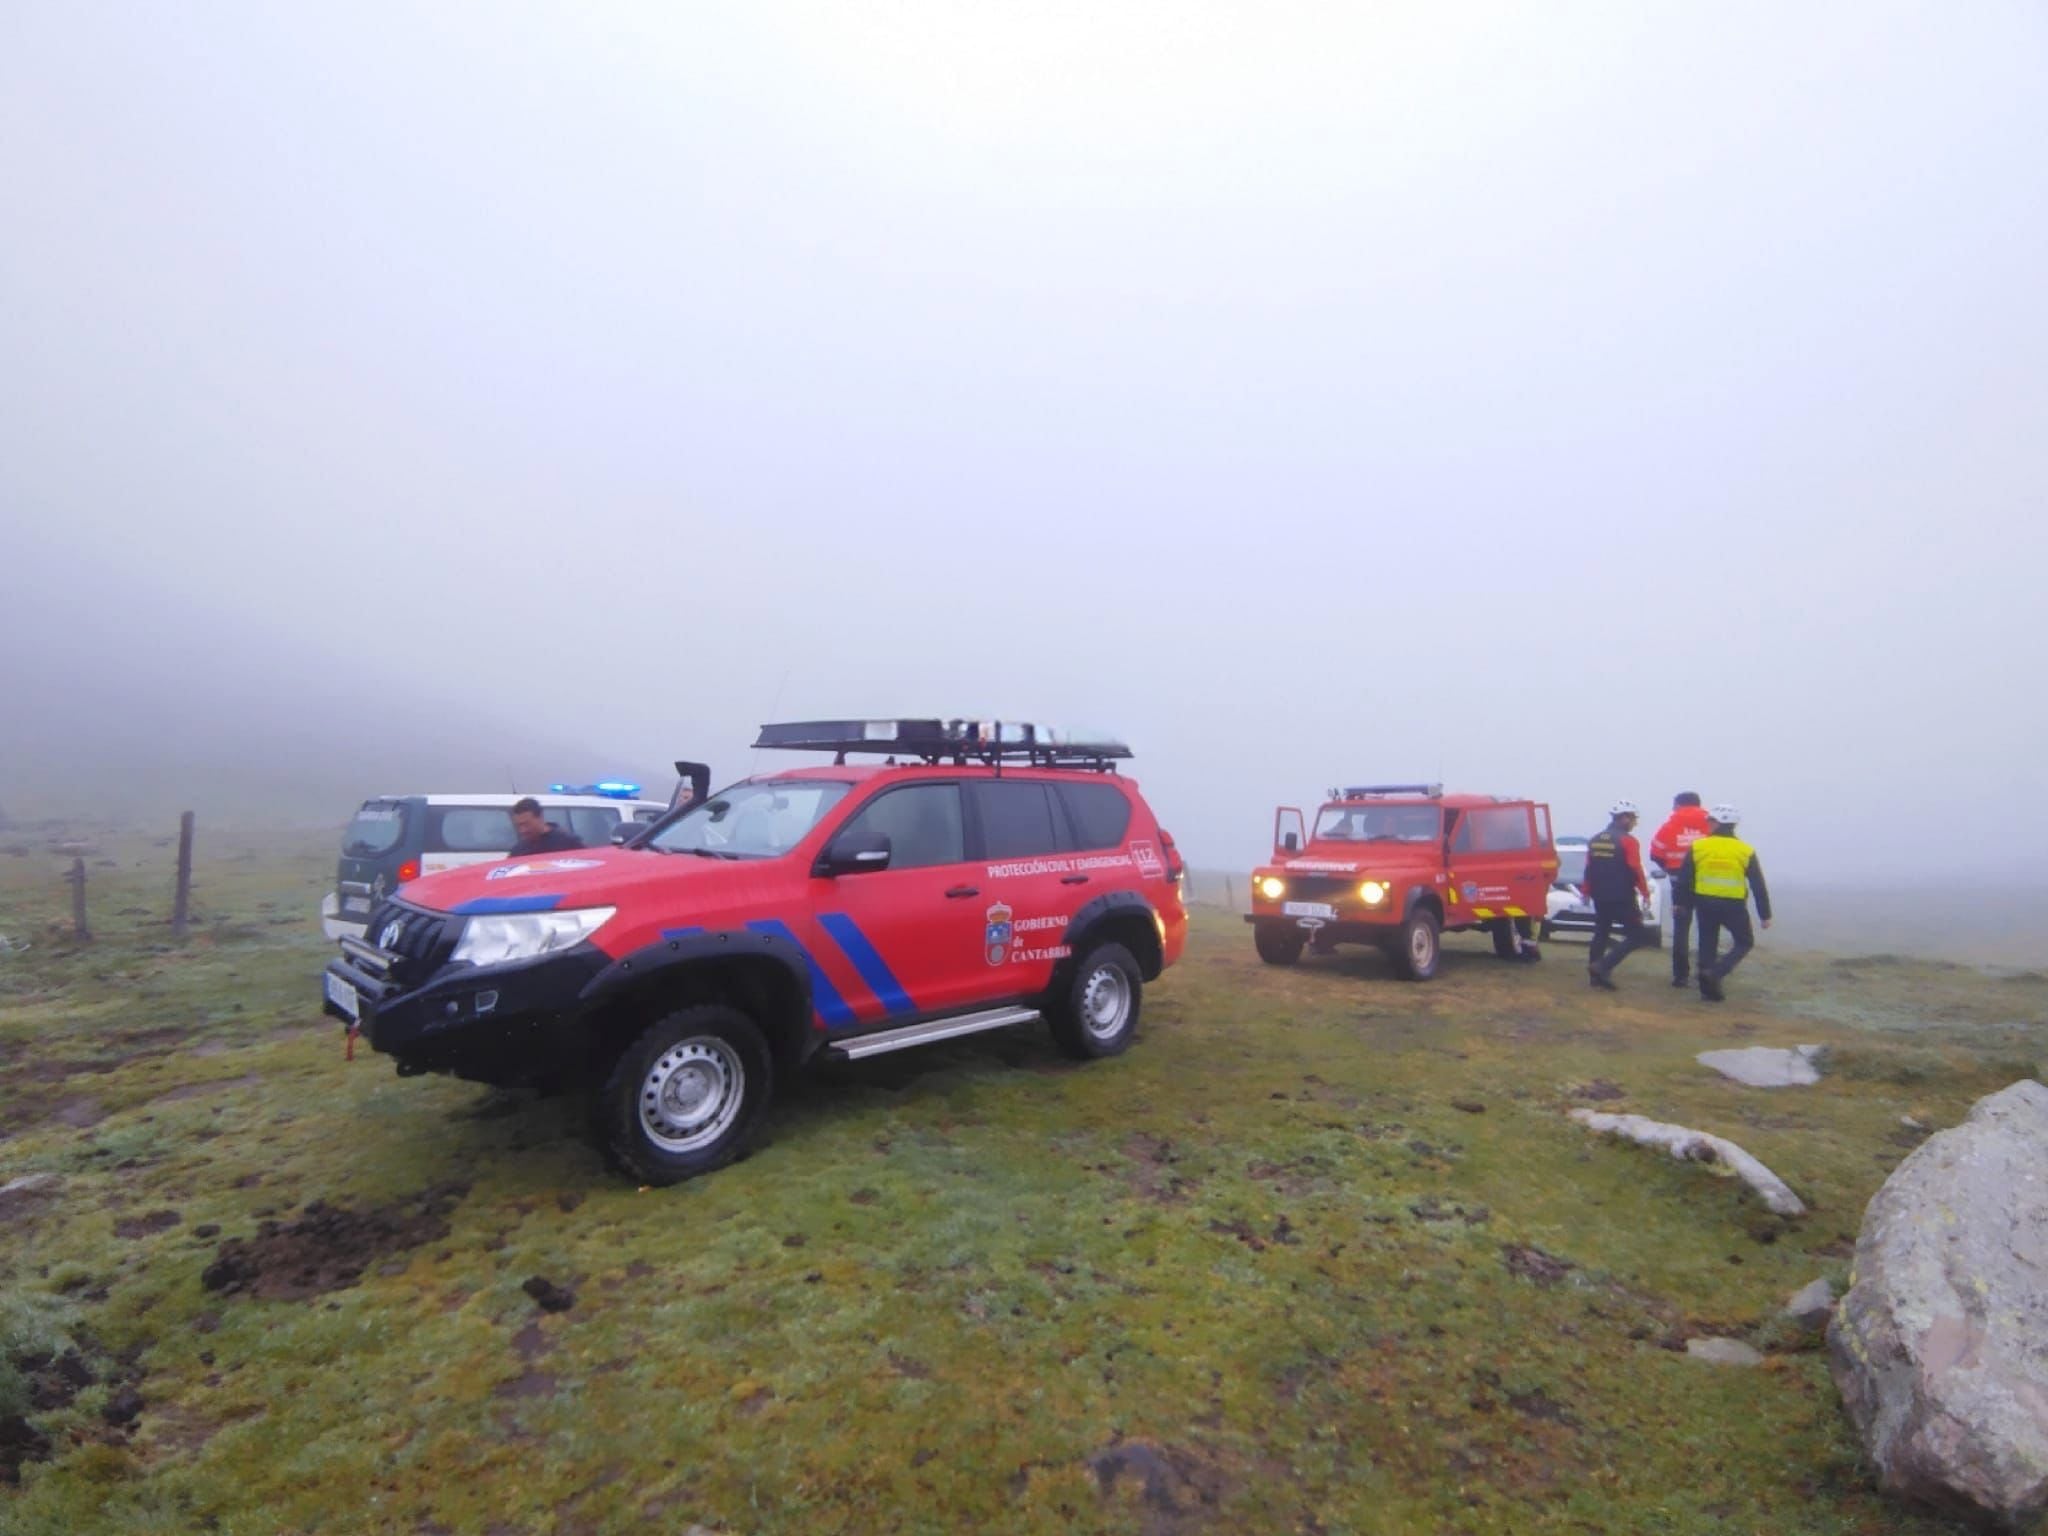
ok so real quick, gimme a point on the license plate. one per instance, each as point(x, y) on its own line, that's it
point(1320, 909)
point(356, 904)
point(343, 996)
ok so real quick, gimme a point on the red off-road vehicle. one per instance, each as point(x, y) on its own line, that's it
point(982, 876)
point(1397, 865)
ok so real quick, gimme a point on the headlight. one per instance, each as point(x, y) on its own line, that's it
point(1373, 892)
point(1272, 887)
point(502, 936)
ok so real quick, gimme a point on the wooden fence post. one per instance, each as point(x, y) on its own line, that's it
point(181, 903)
point(78, 923)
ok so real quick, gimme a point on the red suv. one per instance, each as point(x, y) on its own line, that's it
point(982, 876)
point(1396, 865)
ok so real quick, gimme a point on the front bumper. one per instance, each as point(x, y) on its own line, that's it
point(1346, 928)
point(504, 1024)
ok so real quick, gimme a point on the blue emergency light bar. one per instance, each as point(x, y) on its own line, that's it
point(610, 789)
point(1372, 791)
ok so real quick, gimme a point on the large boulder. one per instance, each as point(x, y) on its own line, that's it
point(1940, 1347)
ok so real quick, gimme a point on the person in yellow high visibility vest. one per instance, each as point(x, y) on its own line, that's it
point(1720, 874)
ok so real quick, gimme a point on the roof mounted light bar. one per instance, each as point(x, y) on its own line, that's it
point(1371, 791)
point(992, 742)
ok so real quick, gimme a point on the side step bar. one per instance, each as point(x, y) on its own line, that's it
point(929, 1031)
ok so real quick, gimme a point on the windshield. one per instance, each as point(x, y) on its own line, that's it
point(377, 828)
point(755, 820)
point(1571, 866)
point(1377, 824)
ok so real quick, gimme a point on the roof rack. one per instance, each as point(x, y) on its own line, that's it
point(1370, 791)
point(992, 742)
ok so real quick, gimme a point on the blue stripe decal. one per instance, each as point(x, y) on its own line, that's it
point(680, 933)
point(874, 970)
point(508, 904)
point(824, 996)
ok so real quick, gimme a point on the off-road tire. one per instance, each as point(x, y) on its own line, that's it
point(1419, 947)
point(699, 1047)
point(1503, 929)
point(1097, 1012)
point(1277, 944)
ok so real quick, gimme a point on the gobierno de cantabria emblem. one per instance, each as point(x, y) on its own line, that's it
point(996, 937)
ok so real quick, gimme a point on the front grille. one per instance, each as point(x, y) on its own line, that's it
point(421, 940)
point(1330, 888)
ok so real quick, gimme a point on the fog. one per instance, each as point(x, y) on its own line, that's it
point(1577, 401)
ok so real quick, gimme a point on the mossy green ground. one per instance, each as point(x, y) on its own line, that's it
point(1253, 1276)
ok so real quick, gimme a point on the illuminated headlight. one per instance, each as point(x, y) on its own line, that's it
point(1373, 892)
point(502, 936)
point(1272, 887)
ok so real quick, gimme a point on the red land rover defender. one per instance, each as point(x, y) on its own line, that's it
point(982, 876)
point(1398, 864)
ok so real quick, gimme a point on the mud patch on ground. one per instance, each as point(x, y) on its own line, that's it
point(1600, 1090)
point(329, 1247)
point(146, 1225)
point(1177, 1489)
point(1532, 1263)
point(1150, 1172)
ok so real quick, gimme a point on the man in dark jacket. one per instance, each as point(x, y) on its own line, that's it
point(536, 833)
point(1686, 823)
point(1721, 872)
point(1616, 887)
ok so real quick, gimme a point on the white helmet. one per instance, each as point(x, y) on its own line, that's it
point(1725, 814)
point(1624, 808)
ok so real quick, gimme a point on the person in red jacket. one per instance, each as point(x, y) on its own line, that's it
point(1617, 889)
point(1686, 823)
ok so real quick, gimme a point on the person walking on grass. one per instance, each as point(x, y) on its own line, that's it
point(1616, 887)
point(1720, 874)
point(1685, 825)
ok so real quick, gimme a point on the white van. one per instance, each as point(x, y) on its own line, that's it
point(396, 838)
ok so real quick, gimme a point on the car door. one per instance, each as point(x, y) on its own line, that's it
point(1035, 882)
point(1495, 864)
point(905, 939)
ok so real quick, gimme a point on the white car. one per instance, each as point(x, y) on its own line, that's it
point(1567, 911)
point(396, 838)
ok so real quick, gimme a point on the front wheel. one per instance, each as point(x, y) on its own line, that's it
point(1417, 949)
point(683, 1098)
point(1277, 944)
point(1098, 1013)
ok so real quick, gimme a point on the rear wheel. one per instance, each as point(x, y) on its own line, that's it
point(1098, 1013)
point(1417, 949)
point(1277, 943)
point(683, 1098)
point(1503, 937)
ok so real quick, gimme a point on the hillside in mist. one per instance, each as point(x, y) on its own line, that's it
point(124, 701)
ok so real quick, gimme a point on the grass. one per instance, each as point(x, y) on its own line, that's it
point(1321, 1253)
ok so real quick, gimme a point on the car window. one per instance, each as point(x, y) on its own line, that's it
point(1542, 825)
point(472, 829)
point(1099, 814)
point(1571, 865)
point(377, 828)
point(1461, 842)
point(1500, 828)
point(592, 824)
point(1377, 824)
point(1016, 819)
point(755, 819)
point(921, 821)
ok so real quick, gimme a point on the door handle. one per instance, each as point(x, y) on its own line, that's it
point(1073, 879)
point(959, 891)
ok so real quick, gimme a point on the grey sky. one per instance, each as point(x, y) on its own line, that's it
point(1570, 400)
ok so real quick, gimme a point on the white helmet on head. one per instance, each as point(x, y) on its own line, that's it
point(1624, 808)
point(1725, 814)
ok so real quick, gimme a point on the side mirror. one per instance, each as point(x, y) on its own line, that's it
point(853, 856)
point(1290, 843)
